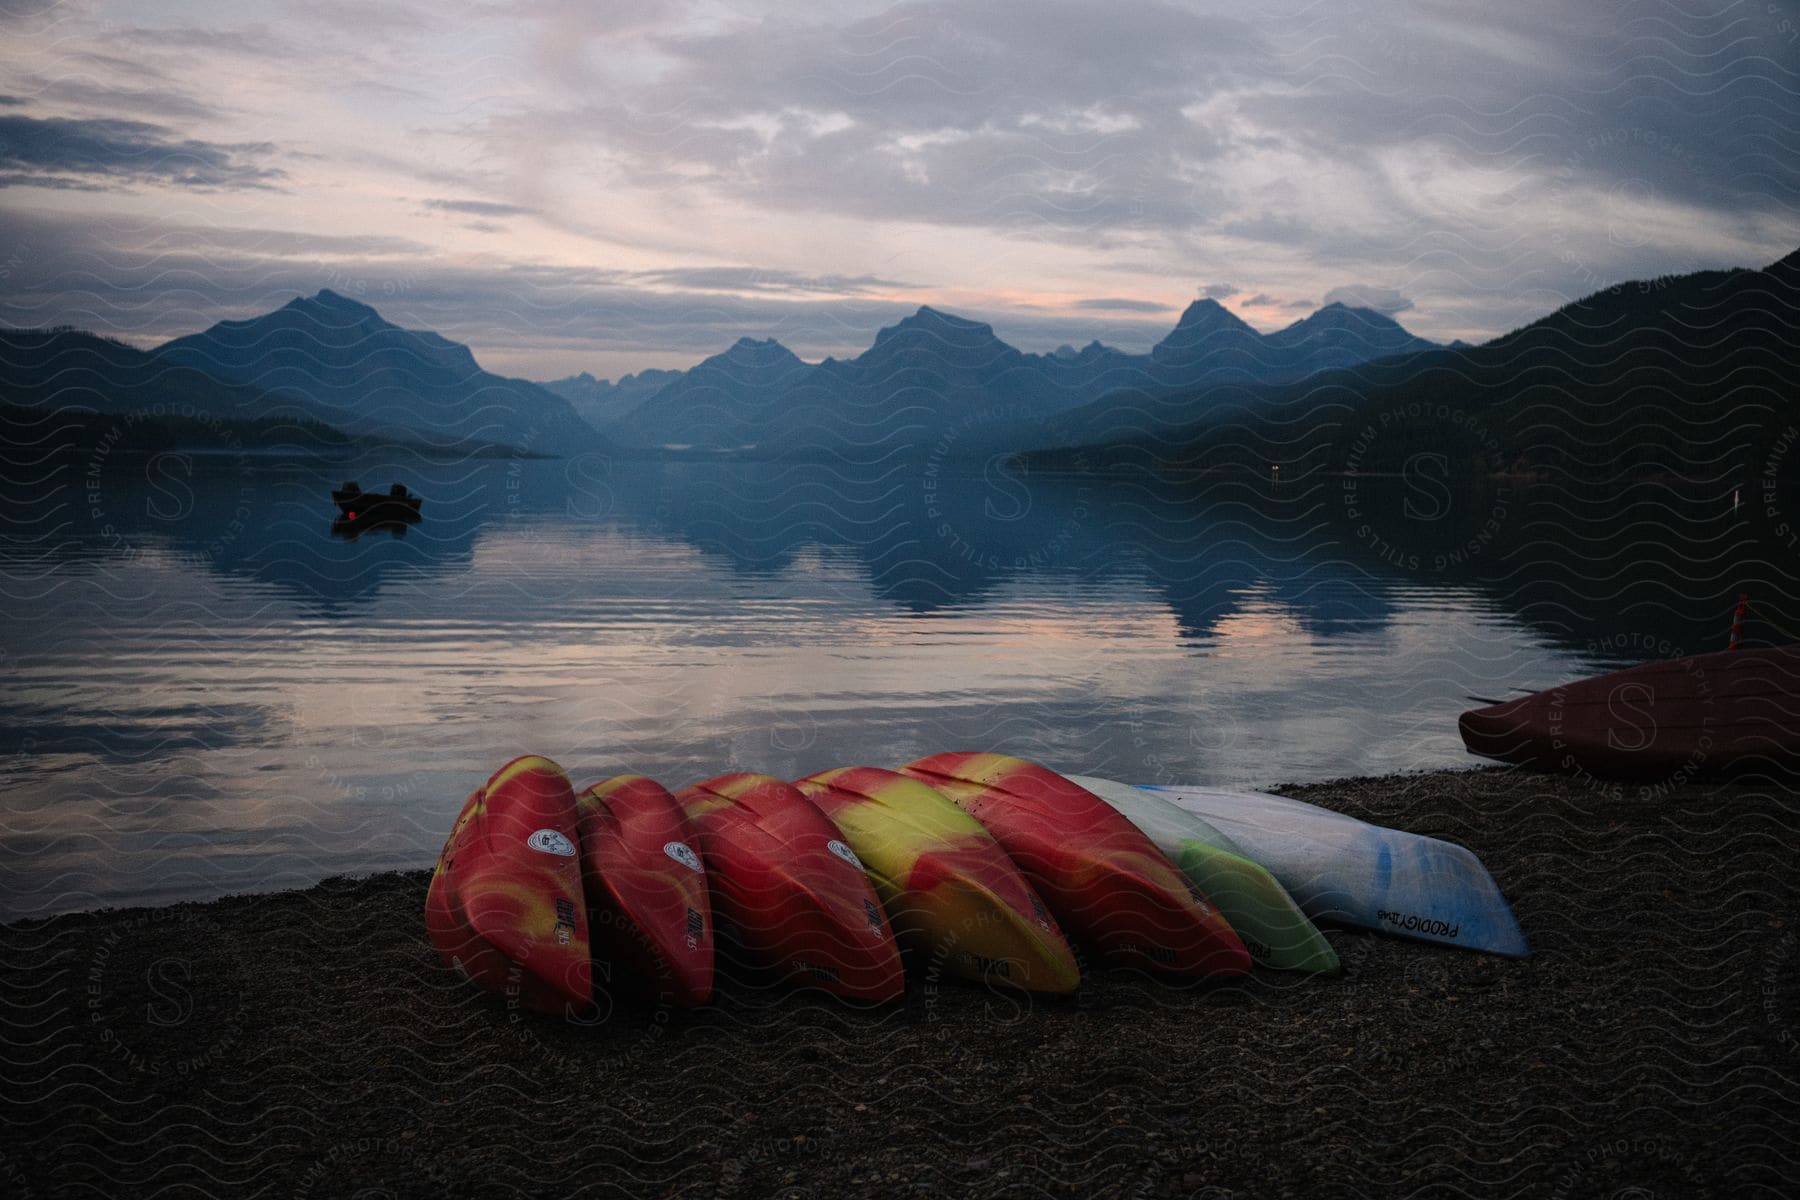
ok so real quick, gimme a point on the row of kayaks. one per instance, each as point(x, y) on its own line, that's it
point(974, 866)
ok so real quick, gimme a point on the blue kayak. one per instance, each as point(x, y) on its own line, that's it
point(1340, 869)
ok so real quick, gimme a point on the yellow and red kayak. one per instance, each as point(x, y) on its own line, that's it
point(782, 874)
point(953, 895)
point(506, 906)
point(649, 908)
point(1107, 883)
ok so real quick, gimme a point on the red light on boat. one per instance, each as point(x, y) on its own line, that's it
point(353, 516)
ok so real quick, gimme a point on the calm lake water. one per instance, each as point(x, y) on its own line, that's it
point(208, 692)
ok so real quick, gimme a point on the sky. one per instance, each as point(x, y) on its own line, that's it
point(602, 185)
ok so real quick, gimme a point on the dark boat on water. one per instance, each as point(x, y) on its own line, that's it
point(1703, 714)
point(360, 511)
point(396, 504)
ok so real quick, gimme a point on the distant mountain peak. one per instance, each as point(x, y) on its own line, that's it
point(327, 301)
point(937, 323)
point(343, 357)
point(1207, 311)
point(1206, 326)
point(1208, 316)
point(928, 317)
point(761, 353)
point(759, 344)
point(1338, 314)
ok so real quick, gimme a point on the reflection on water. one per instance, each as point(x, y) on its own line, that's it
point(210, 692)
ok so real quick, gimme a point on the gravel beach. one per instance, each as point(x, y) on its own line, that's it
point(309, 1044)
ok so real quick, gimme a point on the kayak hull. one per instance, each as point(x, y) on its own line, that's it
point(955, 899)
point(792, 888)
point(506, 906)
point(1273, 927)
point(1338, 868)
point(1703, 714)
point(649, 907)
point(1107, 884)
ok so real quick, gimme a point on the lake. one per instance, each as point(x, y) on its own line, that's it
point(210, 692)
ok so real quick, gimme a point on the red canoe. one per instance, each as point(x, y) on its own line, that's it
point(505, 905)
point(1730, 710)
point(1105, 881)
point(649, 907)
point(783, 876)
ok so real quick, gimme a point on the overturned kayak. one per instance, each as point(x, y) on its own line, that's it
point(1730, 710)
point(954, 897)
point(505, 906)
point(649, 909)
point(1338, 868)
point(1108, 884)
point(796, 893)
point(1273, 927)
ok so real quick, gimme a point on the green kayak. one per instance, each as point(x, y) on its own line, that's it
point(1272, 927)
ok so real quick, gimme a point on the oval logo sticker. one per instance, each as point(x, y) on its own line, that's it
point(684, 854)
point(844, 852)
point(551, 842)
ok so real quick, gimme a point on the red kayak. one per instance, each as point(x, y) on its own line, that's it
point(505, 905)
point(1105, 881)
point(649, 908)
point(449, 932)
point(1729, 710)
point(782, 874)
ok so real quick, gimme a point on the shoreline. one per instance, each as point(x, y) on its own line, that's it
point(309, 1043)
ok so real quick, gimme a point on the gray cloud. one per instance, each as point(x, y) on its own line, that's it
point(11, 10)
point(1361, 295)
point(60, 183)
point(122, 152)
point(480, 208)
point(1058, 120)
point(1122, 304)
point(1470, 143)
point(170, 103)
point(1264, 300)
point(763, 279)
point(1218, 291)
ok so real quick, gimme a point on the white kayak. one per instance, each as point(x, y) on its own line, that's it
point(1273, 927)
point(1341, 869)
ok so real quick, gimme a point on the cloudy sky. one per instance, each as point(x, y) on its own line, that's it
point(611, 185)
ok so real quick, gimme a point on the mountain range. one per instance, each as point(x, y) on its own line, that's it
point(1678, 375)
point(935, 375)
point(1640, 374)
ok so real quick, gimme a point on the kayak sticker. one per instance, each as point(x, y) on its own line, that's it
point(696, 925)
point(565, 920)
point(684, 854)
point(1037, 911)
point(874, 915)
point(548, 841)
point(844, 852)
point(1413, 923)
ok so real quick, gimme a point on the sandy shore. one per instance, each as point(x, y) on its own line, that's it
point(309, 1044)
